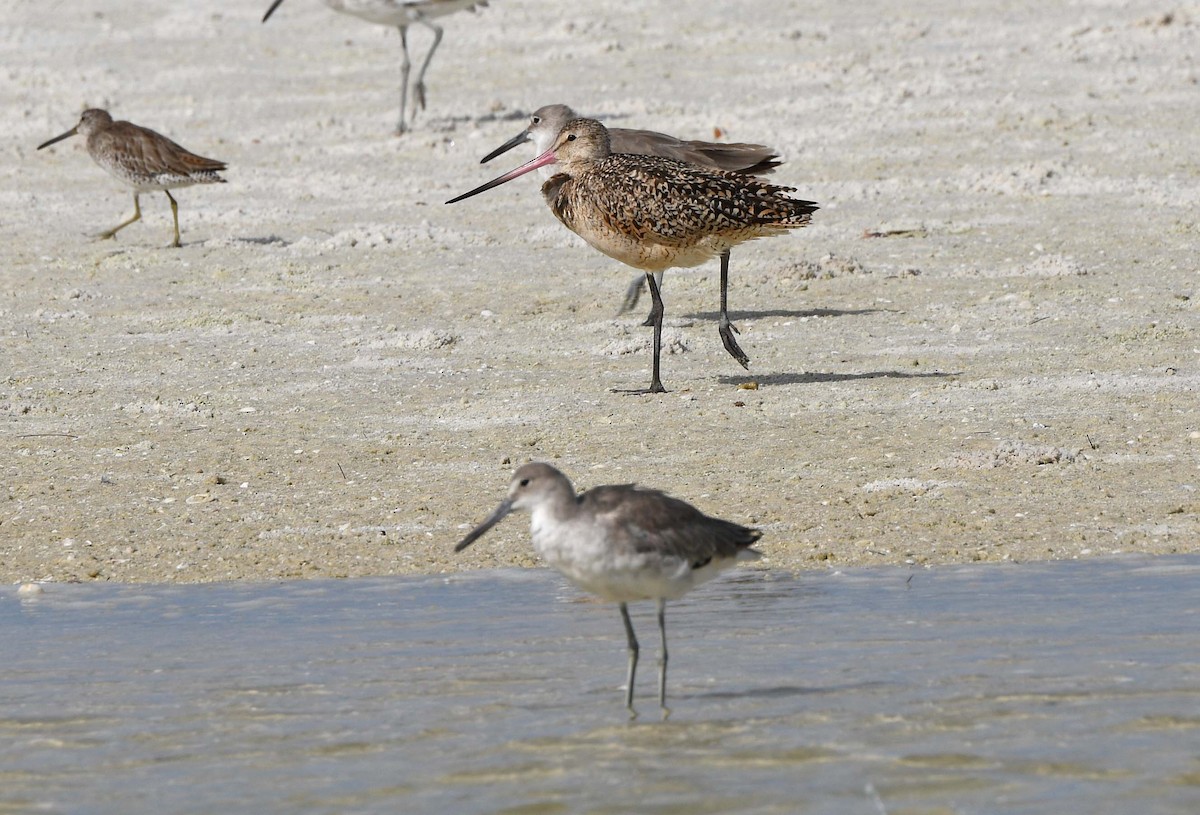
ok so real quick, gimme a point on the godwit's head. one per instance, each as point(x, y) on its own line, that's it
point(93, 119)
point(581, 142)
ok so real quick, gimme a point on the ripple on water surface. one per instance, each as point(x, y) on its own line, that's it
point(1037, 688)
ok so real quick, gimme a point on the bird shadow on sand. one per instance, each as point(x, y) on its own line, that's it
point(261, 240)
point(788, 313)
point(450, 123)
point(813, 377)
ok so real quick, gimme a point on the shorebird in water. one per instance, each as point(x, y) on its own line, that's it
point(143, 159)
point(654, 213)
point(402, 14)
point(623, 543)
point(735, 157)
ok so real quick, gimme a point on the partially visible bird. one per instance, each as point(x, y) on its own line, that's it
point(623, 543)
point(402, 14)
point(143, 159)
point(654, 213)
point(735, 157)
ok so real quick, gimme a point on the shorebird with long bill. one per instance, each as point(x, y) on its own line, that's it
point(735, 157)
point(142, 159)
point(653, 213)
point(622, 543)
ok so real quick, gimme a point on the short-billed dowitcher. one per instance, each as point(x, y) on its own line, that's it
point(623, 543)
point(654, 213)
point(143, 159)
point(402, 14)
point(735, 157)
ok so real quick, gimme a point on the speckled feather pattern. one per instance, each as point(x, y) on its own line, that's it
point(149, 161)
point(656, 213)
point(145, 160)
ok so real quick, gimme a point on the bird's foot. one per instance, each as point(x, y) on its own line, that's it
point(727, 330)
point(655, 387)
point(649, 321)
point(666, 712)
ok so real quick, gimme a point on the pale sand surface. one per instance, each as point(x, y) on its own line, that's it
point(337, 373)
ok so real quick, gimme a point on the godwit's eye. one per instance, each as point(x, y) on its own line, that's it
point(524, 482)
point(571, 137)
point(537, 120)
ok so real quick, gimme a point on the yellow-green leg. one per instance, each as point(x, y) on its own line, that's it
point(174, 217)
point(137, 216)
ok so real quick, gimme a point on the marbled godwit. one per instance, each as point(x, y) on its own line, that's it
point(623, 543)
point(402, 14)
point(735, 157)
point(143, 159)
point(654, 213)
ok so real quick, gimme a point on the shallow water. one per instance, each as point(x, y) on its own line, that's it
point(1042, 688)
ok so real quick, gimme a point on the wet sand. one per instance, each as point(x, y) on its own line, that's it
point(984, 348)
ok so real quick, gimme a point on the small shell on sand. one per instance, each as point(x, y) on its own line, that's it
point(199, 498)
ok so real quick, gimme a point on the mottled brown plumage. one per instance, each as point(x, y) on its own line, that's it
point(143, 159)
point(654, 213)
point(546, 122)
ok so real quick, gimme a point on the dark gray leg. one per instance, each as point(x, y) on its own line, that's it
point(662, 659)
point(419, 86)
point(656, 315)
point(633, 293)
point(658, 278)
point(727, 329)
point(632, 645)
point(405, 69)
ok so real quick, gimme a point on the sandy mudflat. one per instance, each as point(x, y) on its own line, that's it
point(337, 372)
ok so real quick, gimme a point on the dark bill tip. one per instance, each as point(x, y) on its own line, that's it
point(529, 166)
point(57, 139)
point(271, 10)
point(479, 531)
point(520, 138)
